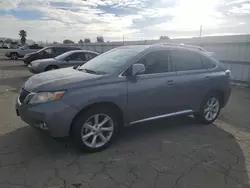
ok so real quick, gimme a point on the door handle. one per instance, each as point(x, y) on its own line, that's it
point(170, 82)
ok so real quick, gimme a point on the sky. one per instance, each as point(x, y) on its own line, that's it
point(56, 20)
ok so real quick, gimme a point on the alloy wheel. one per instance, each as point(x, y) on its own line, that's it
point(211, 109)
point(97, 130)
point(14, 56)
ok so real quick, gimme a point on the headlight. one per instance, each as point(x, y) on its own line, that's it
point(43, 97)
point(34, 64)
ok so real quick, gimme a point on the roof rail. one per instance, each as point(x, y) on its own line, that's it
point(180, 45)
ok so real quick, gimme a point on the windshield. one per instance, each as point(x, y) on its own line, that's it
point(23, 47)
point(112, 60)
point(42, 49)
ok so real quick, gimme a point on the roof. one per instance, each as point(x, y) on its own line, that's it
point(74, 51)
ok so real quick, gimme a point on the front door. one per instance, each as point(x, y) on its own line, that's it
point(77, 58)
point(152, 93)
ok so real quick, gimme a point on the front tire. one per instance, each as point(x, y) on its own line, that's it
point(95, 129)
point(14, 56)
point(210, 109)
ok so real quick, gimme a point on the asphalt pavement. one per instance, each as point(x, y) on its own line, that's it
point(176, 152)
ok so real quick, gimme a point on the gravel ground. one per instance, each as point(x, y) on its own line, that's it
point(176, 152)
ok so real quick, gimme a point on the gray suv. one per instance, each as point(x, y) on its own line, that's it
point(126, 85)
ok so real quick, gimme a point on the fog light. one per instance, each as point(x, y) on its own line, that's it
point(43, 126)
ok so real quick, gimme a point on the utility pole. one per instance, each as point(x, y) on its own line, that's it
point(200, 31)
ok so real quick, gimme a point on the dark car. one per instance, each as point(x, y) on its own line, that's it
point(48, 52)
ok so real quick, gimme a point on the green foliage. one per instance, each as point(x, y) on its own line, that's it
point(164, 38)
point(100, 39)
point(87, 40)
point(67, 41)
point(23, 35)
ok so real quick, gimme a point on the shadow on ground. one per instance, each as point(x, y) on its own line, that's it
point(169, 153)
point(15, 82)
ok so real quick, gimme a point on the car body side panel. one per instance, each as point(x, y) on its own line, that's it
point(191, 88)
point(151, 95)
point(114, 92)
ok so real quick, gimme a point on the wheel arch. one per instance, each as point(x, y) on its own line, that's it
point(219, 93)
point(107, 104)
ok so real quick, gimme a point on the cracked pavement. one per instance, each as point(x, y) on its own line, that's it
point(172, 153)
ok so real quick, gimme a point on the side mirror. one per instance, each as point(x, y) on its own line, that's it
point(138, 69)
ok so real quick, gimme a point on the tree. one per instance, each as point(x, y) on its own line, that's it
point(80, 41)
point(23, 35)
point(100, 39)
point(67, 41)
point(8, 41)
point(55, 42)
point(87, 40)
point(164, 38)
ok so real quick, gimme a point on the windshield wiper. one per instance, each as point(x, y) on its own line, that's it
point(89, 71)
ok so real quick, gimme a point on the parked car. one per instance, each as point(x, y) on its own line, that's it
point(126, 85)
point(47, 52)
point(68, 59)
point(22, 51)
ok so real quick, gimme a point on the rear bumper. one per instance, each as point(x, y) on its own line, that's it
point(56, 116)
point(226, 97)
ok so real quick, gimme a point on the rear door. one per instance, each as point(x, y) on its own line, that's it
point(191, 79)
point(152, 93)
point(24, 50)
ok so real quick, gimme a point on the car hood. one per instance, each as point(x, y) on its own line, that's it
point(60, 79)
point(30, 54)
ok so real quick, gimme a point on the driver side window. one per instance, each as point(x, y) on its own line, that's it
point(77, 57)
point(156, 62)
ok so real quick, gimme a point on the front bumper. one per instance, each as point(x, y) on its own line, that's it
point(26, 61)
point(56, 115)
point(7, 54)
point(32, 69)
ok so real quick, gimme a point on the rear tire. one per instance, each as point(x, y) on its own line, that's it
point(95, 129)
point(14, 56)
point(51, 67)
point(210, 109)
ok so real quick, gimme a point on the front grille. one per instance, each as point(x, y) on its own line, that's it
point(23, 94)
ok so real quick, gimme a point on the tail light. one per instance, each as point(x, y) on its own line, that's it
point(228, 73)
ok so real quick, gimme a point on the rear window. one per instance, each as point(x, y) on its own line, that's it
point(186, 60)
point(207, 64)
